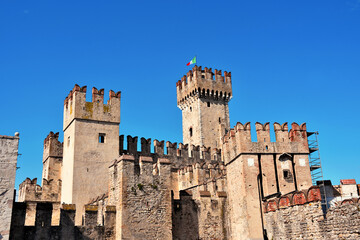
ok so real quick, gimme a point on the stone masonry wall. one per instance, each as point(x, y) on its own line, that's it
point(308, 222)
point(42, 228)
point(202, 211)
point(8, 160)
point(143, 197)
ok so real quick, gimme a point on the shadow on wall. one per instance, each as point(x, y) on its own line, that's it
point(185, 218)
point(43, 228)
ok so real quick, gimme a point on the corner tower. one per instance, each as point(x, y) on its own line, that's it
point(91, 143)
point(204, 104)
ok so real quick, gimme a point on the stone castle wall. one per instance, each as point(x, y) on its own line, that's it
point(258, 170)
point(202, 210)
point(8, 159)
point(43, 226)
point(142, 196)
point(211, 187)
point(307, 221)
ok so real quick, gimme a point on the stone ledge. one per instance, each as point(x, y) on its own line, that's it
point(145, 159)
point(164, 161)
point(221, 194)
point(9, 137)
point(110, 208)
point(126, 158)
point(205, 194)
point(91, 208)
point(68, 207)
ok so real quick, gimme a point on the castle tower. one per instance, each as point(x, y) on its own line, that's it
point(52, 158)
point(204, 104)
point(91, 143)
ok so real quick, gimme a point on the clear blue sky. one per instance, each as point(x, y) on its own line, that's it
point(290, 61)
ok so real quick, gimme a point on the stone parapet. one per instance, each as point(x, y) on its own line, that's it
point(204, 173)
point(296, 198)
point(52, 146)
point(179, 155)
point(308, 221)
point(76, 106)
point(238, 140)
point(55, 221)
point(30, 191)
point(201, 83)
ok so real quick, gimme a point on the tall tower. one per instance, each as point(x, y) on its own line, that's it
point(204, 105)
point(91, 143)
point(52, 158)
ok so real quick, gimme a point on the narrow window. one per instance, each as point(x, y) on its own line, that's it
point(101, 137)
point(286, 174)
point(219, 120)
point(190, 132)
point(208, 104)
point(68, 142)
point(190, 109)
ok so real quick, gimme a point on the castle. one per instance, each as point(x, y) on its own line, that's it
point(217, 184)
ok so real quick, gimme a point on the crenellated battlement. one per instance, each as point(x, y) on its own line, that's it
point(201, 83)
point(238, 139)
point(52, 146)
point(202, 174)
point(76, 106)
point(293, 199)
point(179, 154)
point(29, 190)
point(58, 220)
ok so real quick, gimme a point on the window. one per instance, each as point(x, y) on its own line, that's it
point(68, 141)
point(190, 132)
point(101, 137)
point(219, 120)
point(208, 104)
point(287, 175)
point(190, 109)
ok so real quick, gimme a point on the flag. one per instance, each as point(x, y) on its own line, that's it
point(192, 61)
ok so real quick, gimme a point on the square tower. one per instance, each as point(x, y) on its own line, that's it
point(204, 105)
point(91, 143)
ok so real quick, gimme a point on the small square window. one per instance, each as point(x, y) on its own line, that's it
point(101, 137)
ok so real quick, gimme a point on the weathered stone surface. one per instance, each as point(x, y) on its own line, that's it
point(204, 105)
point(8, 159)
point(218, 184)
point(307, 221)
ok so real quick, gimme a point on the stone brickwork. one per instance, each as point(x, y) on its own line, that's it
point(307, 221)
point(257, 170)
point(91, 143)
point(8, 159)
point(202, 210)
point(52, 157)
point(204, 105)
point(143, 197)
point(217, 184)
point(42, 228)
